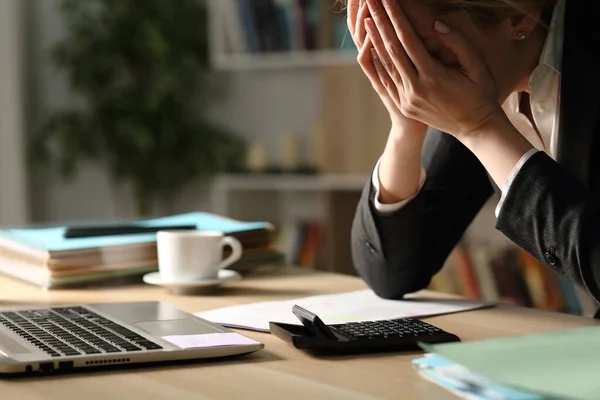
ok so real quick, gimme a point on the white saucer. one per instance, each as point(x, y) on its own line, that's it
point(225, 275)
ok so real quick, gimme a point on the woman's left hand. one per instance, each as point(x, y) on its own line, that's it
point(458, 101)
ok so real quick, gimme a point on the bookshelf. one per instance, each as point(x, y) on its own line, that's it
point(298, 59)
point(510, 275)
point(281, 37)
point(312, 213)
point(290, 182)
point(278, 34)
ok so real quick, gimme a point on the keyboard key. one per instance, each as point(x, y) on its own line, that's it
point(121, 330)
point(408, 328)
point(71, 353)
point(149, 345)
point(131, 348)
point(136, 338)
point(112, 350)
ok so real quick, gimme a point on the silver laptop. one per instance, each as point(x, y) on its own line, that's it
point(64, 338)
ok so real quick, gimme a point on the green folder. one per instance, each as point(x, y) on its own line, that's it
point(562, 364)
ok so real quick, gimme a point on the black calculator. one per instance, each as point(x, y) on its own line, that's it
point(358, 337)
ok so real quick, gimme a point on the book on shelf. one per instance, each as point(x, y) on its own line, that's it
point(280, 26)
point(44, 257)
point(302, 243)
point(510, 275)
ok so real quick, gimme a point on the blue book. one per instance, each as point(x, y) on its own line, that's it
point(283, 22)
point(51, 239)
point(572, 304)
point(247, 15)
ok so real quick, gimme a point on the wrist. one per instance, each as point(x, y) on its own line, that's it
point(497, 130)
point(408, 132)
point(498, 145)
point(399, 172)
point(496, 120)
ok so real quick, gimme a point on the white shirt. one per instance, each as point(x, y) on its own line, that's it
point(544, 85)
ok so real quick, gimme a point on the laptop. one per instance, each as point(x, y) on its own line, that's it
point(65, 338)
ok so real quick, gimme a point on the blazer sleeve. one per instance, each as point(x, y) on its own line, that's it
point(553, 216)
point(399, 253)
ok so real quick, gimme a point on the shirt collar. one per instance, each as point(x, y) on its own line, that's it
point(553, 47)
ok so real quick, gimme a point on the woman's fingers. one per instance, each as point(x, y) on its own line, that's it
point(391, 63)
point(398, 33)
point(386, 82)
point(359, 31)
point(371, 64)
point(388, 45)
point(352, 11)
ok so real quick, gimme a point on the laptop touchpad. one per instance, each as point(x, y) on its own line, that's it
point(176, 327)
point(12, 346)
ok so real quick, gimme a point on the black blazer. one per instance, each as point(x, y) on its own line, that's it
point(552, 210)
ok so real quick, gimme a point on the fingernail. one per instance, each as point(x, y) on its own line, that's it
point(389, 3)
point(374, 54)
point(441, 27)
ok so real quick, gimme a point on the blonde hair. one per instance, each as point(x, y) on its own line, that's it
point(487, 12)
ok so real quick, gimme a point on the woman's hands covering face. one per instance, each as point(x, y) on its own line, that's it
point(378, 75)
point(414, 86)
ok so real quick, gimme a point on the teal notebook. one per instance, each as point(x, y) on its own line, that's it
point(52, 240)
point(562, 364)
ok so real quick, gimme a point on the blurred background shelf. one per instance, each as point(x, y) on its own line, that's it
point(284, 60)
point(291, 182)
point(283, 34)
point(312, 214)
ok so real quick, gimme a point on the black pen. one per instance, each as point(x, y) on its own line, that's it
point(110, 230)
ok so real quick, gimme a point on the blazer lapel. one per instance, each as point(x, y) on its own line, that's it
point(580, 91)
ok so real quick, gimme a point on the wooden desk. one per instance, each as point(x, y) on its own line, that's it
point(278, 371)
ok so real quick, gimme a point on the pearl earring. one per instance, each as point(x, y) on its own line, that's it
point(521, 35)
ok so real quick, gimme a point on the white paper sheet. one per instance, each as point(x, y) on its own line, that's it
point(362, 305)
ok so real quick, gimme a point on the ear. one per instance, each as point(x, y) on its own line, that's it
point(522, 26)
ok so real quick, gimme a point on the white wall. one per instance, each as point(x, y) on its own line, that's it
point(259, 106)
point(13, 199)
point(264, 105)
point(52, 199)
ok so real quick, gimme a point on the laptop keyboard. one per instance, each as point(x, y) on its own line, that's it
point(73, 331)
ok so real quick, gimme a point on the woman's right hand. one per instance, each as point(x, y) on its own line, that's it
point(379, 70)
point(399, 172)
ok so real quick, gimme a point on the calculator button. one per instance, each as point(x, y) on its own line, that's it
point(408, 329)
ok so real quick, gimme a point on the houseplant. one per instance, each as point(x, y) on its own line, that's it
point(141, 69)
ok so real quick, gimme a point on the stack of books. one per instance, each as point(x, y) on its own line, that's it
point(509, 275)
point(302, 243)
point(268, 26)
point(46, 258)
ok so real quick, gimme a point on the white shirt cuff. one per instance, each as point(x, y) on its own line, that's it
point(387, 209)
point(511, 177)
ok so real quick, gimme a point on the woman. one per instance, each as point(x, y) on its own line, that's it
point(483, 95)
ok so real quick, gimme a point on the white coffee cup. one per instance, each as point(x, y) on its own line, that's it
point(186, 256)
